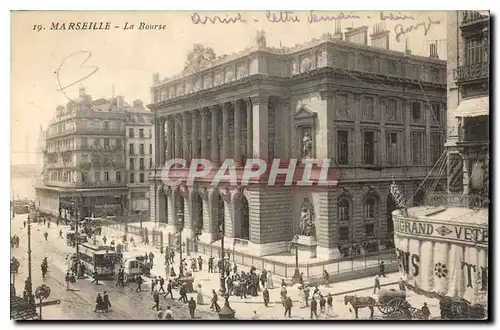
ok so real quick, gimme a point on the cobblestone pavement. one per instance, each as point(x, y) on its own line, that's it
point(244, 307)
point(78, 304)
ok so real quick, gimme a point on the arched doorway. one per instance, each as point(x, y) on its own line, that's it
point(197, 207)
point(242, 218)
point(391, 206)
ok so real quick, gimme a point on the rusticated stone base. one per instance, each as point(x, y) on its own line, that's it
point(206, 238)
point(306, 246)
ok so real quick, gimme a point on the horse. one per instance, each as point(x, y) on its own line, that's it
point(360, 302)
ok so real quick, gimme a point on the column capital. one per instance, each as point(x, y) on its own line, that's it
point(227, 106)
point(327, 94)
point(237, 103)
point(185, 114)
point(260, 99)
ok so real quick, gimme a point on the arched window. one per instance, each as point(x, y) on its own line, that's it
point(370, 207)
point(343, 208)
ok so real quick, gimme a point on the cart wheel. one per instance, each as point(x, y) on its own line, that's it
point(396, 303)
point(386, 309)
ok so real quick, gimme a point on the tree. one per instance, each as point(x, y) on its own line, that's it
point(41, 293)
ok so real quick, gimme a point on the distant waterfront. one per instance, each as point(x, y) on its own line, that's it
point(22, 187)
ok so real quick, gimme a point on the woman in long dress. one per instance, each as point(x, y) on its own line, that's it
point(199, 296)
point(302, 298)
point(270, 284)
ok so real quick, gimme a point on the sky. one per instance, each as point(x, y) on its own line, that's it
point(126, 59)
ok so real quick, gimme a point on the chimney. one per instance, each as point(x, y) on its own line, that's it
point(357, 35)
point(407, 47)
point(119, 102)
point(380, 36)
point(433, 50)
point(81, 92)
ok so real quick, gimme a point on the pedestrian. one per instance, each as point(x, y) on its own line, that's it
point(210, 264)
point(425, 311)
point(322, 304)
point(95, 277)
point(402, 285)
point(139, 281)
point(288, 307)
point(269, 283)
point(161, 282)
point(382, 269)
point(156, 298)
point(60, 233)
point(306, 295)
point(192, 307)
point(107, 303)
point(151, 258)
point(184, 293)
point(169, 290)
point(153, 284)
point(329, 304)
point(24, 224)
point(169, 315)
point(99, 303)
point(263, 278)
point(48, 225)
point(44, 269)
point(68, 279)
point(200, 262)
point(104, 239)
point(243, 289)
point(214, 301)
point(199, 296)
point(265, 296)
point(326, 277)
point(314, 308)
point(376, 285)
point(302, 298)
point(46, 235)
point(255, 316)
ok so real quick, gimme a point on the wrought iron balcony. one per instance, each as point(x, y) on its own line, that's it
point(472, 72)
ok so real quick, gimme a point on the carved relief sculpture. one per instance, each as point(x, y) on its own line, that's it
point(200, 57)
point(260, 39)
point(307, 145)
point(305, 65)
point(306, 226)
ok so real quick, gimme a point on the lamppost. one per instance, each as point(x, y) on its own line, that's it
point(180, 216)
point(296, 275)
point(28, 287)
point(222, 269)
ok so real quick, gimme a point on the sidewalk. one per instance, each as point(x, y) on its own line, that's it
point(245, 307)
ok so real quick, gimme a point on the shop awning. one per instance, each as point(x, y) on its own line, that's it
point(474, 107)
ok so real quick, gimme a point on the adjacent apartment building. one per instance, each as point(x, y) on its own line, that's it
point(468, 107)
point(84, 167)
point(380, 115)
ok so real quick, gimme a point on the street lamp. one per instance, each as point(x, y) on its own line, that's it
point(296, 276)
point(28, 287)
point(222, 269)
point(180, 216)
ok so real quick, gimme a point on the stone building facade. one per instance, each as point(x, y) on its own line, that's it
point(139, 156)
point(366, 108)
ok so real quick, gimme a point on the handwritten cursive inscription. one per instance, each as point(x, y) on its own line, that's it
point(86, 71)
point(394, 17)
point(204, 19)
point(312, 17)
point(282, 17)
point(402, 30)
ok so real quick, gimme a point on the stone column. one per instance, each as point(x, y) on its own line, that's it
point(185, 135)
point(194, 135)
point(225, 131)
point(205, 151)
point(259, 127)
point(170, 138)
point(157, 139)
point(465, 178)
point(161, 142)
point(237, 133)
point(249, 148)
point(177, 137)
point(213, 139)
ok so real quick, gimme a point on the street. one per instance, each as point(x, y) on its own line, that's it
point(78, 304)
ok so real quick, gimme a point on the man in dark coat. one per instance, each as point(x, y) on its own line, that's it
point(96, 277)
point(98, 303)
point(214, 301)
point(265, 295)
point(156, 298)
point(288, 306)
point(200, 262)
point(192, 307)
point(162, 283)
point(382, 269)
point(169, 290)
point(376, 285)
point(106, 302)
point(210, 264)
point(314, 308)
point(138, 280)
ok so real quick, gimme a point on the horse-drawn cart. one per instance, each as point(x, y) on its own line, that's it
point(391, 303)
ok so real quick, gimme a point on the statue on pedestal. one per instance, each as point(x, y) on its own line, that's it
point(307, 145)
point(306, 226)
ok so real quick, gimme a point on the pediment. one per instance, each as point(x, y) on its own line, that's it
point(305, 113)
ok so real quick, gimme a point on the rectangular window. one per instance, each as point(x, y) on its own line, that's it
point(150, 149)
point(141, 132)
point(85, 142)
point(369, 148)
point(141, 149)
point(106, 142)
point(437, 146)
point(97, 176)
point(392, 148)
point(391, 111)
point(130, 132)
point(343, 147)
point(84, 180)
point(343, 105)
point(131, 149)
point(436, 113)
point(475, 51)
point(118, 176)
point(132, 177)
point(417, 148)
point(97, 142)
point(106, 176)
point(369, 230)
point(150, 163)
point(368, 108)
point(85, 158)
point(141, 164)
point(344, 233)
point(131, 163)
point(141, 178)
point(416, 112)
point(118, 143)
point(391, 67)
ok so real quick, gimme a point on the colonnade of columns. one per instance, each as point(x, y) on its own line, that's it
point(195, 133)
